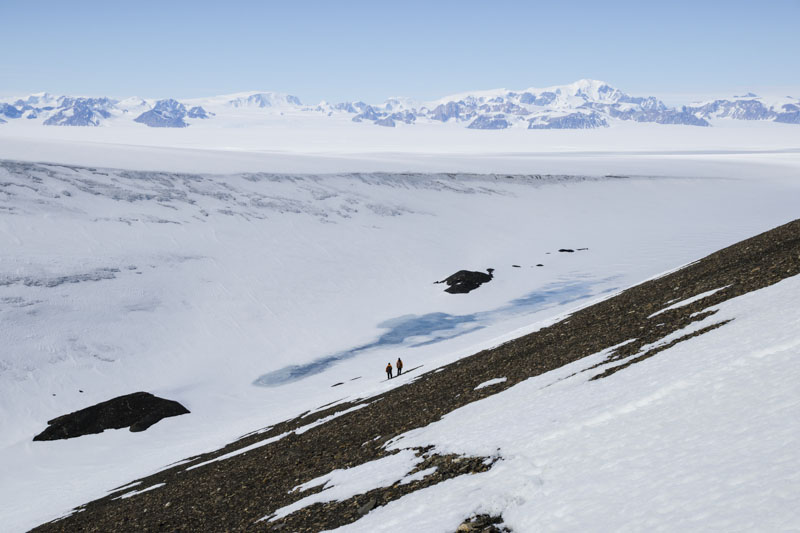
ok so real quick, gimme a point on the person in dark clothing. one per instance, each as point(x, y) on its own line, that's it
point(399, 366)
point(389, 371)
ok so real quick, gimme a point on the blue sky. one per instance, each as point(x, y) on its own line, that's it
point(347, 50)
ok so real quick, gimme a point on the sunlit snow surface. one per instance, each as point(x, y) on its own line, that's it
point(196, 286)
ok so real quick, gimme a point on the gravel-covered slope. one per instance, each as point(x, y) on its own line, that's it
point(233, 494)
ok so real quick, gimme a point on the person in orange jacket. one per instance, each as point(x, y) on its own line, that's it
point(389, 371)
point(399, 366)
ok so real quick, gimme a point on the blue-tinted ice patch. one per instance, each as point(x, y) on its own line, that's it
point(431, 328)
point(409, 326)
point(400, 329)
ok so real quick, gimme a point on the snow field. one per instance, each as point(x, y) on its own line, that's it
point(277, 275)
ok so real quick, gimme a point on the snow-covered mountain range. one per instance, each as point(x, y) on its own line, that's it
point(584, 104)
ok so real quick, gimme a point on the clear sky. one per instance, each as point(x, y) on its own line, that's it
point(349, 50)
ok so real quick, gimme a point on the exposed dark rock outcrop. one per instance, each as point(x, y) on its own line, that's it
point(458, 110)
point(545, 98)
point(81, 112)
point(9, 111)
point(165, 114)
point(369, 113)
point(198, 112)
point(138, 411)
point(790, 114)
point(486, 122)
point(738, 109)
point(681, 117)
point(483, 523)
point(465, 281)
point(406, 117)
point(572, 121)
point(386, 121)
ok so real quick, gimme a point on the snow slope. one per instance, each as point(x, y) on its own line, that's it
point(674, 443)
point(195, 286)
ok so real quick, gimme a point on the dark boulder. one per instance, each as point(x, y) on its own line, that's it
point(483, 523)
point(465, 281)
point(368, 506)
point(138, 411)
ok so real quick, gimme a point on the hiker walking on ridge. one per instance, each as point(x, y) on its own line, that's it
point(399, 366)
point(388, 370)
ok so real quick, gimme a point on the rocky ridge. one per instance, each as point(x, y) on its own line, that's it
point(236, 493)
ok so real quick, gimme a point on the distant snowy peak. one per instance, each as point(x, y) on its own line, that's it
point(749, 107)
point(790, 114)
point(584, 104)
point(80, 112)
point(60, 111)
point(10, 111)
point(70, 111)
point(597, 91)
point(170, 114)
point(165, 114)
point(266, 99)
point(564, 95)
point(133, 105)
point(37, 99)
point(198, 112)
point(572, 121)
